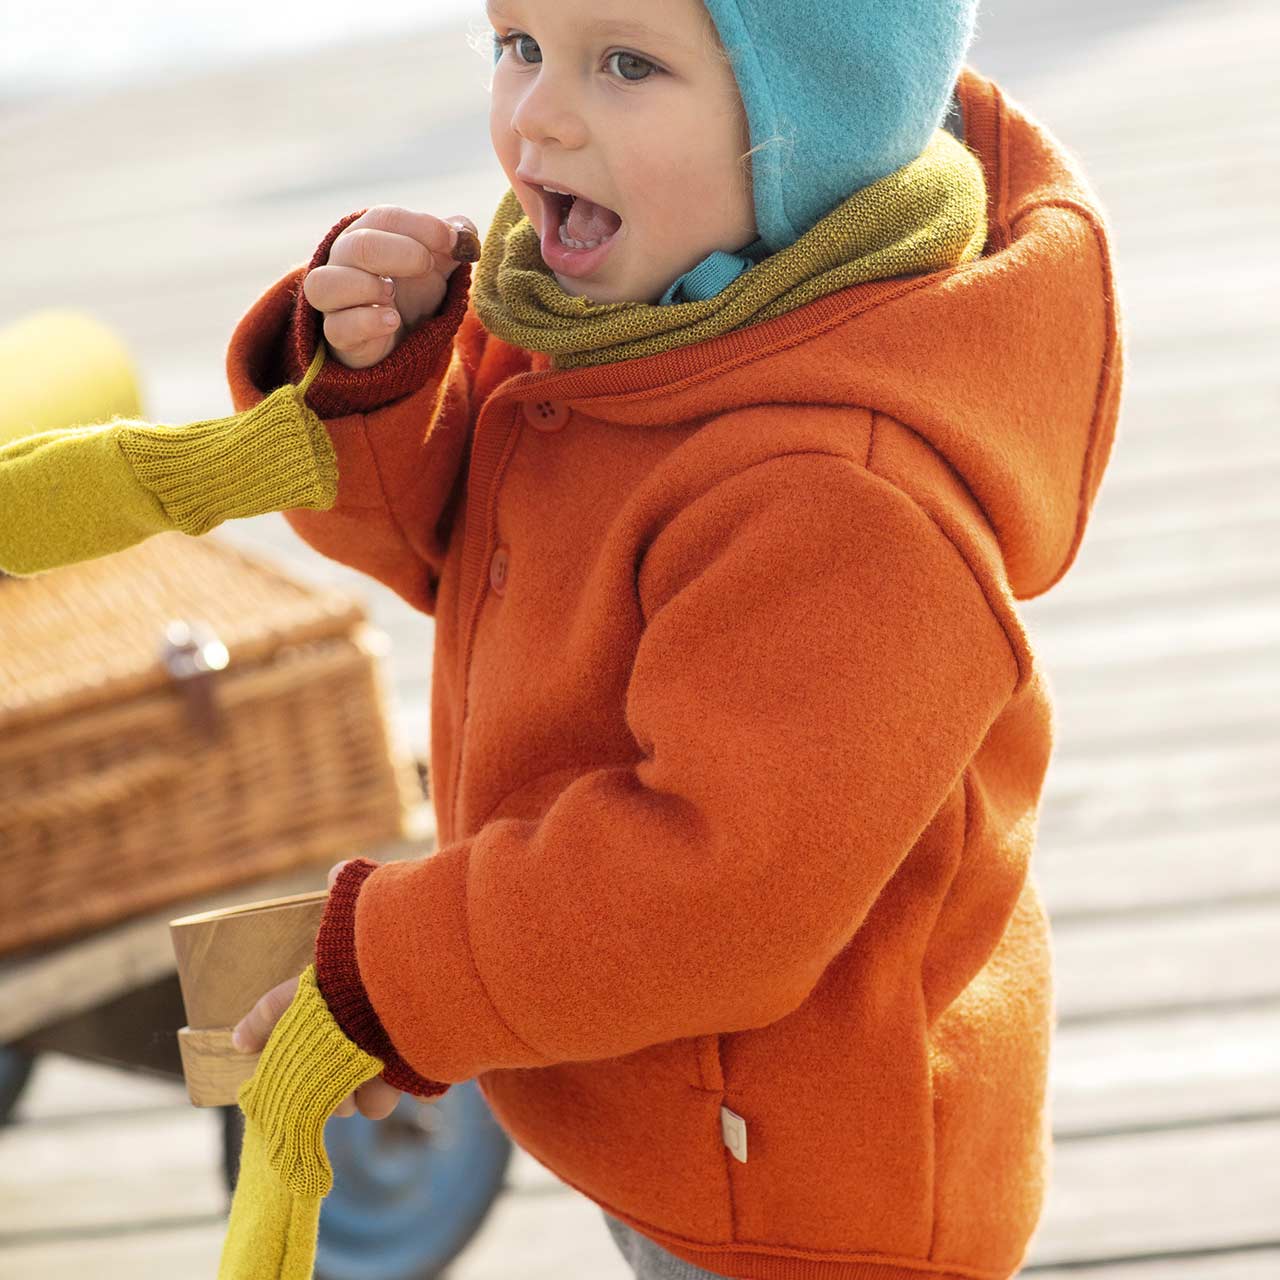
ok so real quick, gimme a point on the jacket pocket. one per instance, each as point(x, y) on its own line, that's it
point(633, 1133)
point(828, 1121)
point(708, 1071)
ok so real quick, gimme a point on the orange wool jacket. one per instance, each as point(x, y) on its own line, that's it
point(737, 737)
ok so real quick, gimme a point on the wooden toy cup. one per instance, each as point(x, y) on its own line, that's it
point(227, 960)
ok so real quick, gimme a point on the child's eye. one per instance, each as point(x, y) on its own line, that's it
point(501, 42)
point(635, 57)
point(514, 37)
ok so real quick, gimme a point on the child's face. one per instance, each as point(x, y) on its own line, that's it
point(649, 125)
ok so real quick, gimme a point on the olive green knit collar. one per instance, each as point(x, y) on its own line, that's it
point(926, 216)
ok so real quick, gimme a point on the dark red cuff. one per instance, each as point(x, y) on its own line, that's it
point(337, 390)
point(338, 977)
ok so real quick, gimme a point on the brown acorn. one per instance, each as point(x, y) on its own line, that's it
point(467, 248)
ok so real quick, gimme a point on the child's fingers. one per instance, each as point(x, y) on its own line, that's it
point(336, 870)
point(332, 288)
point(412, 245)
point(351, 329)
point(444, 237)
point(377, 1099)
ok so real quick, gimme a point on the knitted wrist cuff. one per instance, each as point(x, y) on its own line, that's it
point(338, 977)
point(273, 457)
point(340, 391)
point(306, 1069)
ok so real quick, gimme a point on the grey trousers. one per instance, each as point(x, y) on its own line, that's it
point(648, 1260)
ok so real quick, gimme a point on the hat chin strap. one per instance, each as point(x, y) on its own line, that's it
point(714, 274)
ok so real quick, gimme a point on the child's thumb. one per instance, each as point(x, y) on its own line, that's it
point(254, 1030)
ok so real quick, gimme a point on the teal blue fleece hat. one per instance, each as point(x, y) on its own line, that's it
point(838, 95)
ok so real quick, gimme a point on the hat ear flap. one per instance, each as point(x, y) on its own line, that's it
point(838, 96)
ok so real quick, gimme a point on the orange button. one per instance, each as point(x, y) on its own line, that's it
point(498, 570)
point(547, 415)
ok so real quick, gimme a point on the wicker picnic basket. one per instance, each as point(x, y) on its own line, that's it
point(178, 718)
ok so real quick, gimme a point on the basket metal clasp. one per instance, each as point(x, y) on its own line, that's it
point(193, 655)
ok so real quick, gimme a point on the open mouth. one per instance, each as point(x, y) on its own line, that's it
point(582, 224)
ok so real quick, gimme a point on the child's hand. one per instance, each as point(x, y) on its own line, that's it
point(365, 313)
point(376, 1099)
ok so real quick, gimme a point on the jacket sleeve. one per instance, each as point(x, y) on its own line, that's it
point(817, 666)
point(398, 460)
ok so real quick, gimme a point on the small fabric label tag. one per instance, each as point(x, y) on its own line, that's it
point(734, 1129)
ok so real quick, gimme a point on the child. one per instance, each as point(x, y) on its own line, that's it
point(737, 737)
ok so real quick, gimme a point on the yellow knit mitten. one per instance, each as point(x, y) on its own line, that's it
point(77, 493)
point(306, 1069)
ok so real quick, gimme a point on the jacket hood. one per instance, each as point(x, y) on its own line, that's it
point(1009, 366)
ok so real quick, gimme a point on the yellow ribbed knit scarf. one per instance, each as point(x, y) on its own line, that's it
point(930, 214)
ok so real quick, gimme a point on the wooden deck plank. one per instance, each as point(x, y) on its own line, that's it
point(1210, 1187)
point(145, 1166)
point(1247, 1264)
point(1099, 796)
point(1135, 871)
point(1124, 965)
point(1243, 623)
point(558, 1235)
point(1215, 709)
point(1165, 1070)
